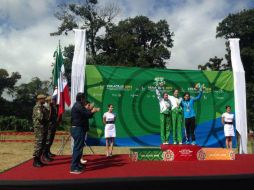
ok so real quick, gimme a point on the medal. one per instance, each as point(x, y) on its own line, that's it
point(187, 106)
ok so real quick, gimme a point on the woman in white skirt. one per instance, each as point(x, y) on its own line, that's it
point(109, 119)
point(227, 120)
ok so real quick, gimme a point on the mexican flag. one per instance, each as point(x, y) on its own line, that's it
point(60, 83)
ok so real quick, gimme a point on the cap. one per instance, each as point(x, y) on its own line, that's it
point(48, 98)
point(41, 96)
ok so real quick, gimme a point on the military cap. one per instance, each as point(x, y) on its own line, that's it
point(41, 96)
point(48, 98)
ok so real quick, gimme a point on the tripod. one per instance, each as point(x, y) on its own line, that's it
point(64, 141)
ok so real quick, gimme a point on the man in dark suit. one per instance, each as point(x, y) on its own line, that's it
point(79, 121)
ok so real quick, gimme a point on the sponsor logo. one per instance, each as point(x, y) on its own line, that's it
point(168, 155)
point(119, 87)
point(232, 155)
point(134, 156)
point(186, 151)
point(201, 155)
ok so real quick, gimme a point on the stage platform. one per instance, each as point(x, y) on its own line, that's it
point(120, 172)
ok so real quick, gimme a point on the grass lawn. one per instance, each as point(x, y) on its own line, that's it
point(14, 153)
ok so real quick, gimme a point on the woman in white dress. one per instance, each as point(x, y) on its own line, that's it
point(227, 120)
point(109, 119)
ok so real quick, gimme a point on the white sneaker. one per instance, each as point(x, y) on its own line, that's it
point(83, 161)
point(180, 143)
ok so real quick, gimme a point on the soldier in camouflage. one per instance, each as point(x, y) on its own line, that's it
point(40, 115)
point(53, 123)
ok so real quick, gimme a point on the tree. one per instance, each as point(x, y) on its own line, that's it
point(87, 15)
point(250, 104)
point(214, 64)
point(25, 97)
point(136, 42)
point(68, 56)
point(240, 25)
point(7, 82)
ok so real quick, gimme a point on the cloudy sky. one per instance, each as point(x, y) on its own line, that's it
point(27, 47)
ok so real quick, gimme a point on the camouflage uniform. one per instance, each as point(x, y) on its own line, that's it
point(51, 127)
point(40, 115)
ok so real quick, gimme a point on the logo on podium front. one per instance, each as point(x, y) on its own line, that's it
point(134, 156)
point(201, 155)
point(168, 155)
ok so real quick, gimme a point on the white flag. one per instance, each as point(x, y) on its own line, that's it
point(78, 65)
point(240, 95)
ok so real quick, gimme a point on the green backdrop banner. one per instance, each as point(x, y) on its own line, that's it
point(132, 92)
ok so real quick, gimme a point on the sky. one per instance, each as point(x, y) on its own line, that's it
point(26, 46)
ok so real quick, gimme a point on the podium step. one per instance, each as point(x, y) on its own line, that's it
point(141, 154)
point(216, 154)
point(180, 153)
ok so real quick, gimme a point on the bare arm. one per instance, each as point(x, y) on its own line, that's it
point(158, 93)
point(222, 120)
point(104, 120)
point(198, 96)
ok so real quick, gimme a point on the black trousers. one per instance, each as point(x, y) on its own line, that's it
point(190, 126)
point(77, 134)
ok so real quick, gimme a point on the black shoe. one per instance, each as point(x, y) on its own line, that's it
point(81, 166)
point(37, 163)
point(48, 159)
point(51, 154)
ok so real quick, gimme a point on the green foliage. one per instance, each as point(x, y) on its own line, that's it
point(241, 25)
point(14, 124)
point(85, 15)
point(136, 42)
point(30, 90)
point(25, 97)
point(250, 105)
point(68, 56)
point(7, 82)
point(214, 64)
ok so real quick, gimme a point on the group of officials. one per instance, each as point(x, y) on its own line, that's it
point(45, 121)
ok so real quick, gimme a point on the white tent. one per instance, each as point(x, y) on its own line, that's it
point(240, 94)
